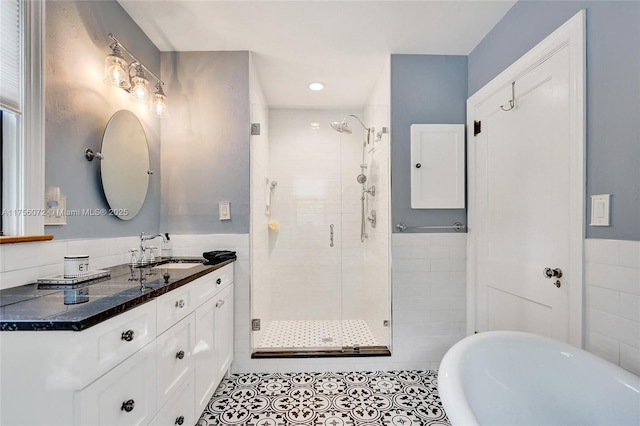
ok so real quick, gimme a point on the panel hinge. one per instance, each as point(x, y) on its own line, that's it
point(255, 324)
point(477, 127)
point(255, 129)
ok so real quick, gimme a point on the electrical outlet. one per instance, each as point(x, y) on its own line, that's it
point(56, 215)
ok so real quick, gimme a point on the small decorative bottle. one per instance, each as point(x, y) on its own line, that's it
point(167, 246)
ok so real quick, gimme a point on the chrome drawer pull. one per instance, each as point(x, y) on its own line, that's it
point(180, 304)
point(180, 354)
point(128, 405)
point(127, 336)
point(220, 303)
point(179, 420)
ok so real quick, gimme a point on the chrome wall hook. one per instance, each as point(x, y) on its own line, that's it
point(512, 102)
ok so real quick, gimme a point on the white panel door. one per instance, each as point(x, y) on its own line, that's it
point(522, 211)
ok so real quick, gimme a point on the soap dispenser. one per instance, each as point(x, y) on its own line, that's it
point(167, 247)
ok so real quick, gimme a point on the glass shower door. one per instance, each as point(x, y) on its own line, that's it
point(311, 266)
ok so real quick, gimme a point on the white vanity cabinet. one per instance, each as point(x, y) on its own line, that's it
point(158, 363)
point(214, 344)
point(123, 396)
point(174, 356)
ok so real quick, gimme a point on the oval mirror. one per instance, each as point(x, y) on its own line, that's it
point(124, 168)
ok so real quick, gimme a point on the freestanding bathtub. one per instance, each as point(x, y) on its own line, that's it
point(514, 378)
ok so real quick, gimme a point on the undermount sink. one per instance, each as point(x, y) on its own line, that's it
point(176, 265)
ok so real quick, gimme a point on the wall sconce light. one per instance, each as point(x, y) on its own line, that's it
point(133, 78)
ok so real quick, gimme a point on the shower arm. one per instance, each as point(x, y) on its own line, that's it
point(368, 129)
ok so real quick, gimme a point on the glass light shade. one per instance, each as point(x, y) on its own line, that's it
point(115, 72)
point(158, 105)
point(139, 90)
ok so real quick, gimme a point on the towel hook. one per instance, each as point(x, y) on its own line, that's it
point(512, 102)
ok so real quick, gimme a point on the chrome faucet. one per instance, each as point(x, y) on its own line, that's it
point(143, 248)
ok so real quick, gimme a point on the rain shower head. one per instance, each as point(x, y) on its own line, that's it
point(343, 126)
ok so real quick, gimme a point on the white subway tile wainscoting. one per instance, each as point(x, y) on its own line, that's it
point(612, 301)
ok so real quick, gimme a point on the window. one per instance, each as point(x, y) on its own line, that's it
point(22, 116)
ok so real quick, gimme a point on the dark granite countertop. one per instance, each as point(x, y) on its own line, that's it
point(32, 307)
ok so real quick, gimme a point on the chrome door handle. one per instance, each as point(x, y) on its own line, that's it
point(331, 235)
point(552, 273)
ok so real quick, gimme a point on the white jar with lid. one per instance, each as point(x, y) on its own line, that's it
point(76, 265)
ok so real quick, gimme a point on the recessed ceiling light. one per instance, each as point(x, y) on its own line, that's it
point(316, 86)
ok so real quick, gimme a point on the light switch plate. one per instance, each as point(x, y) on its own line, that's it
point(601, 210)
point(224, 210)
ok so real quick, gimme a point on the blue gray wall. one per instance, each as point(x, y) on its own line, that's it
point(78, 106)
point(205, 143)
point(425, 89)
point(613, 93)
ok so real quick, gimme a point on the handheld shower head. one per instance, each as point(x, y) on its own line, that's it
point(362, 178)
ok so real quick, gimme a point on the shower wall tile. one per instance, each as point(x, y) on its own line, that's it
point(612, 301)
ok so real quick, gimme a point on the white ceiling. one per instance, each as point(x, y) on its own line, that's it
point(343, 44)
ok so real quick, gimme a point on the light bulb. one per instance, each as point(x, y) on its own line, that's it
point(139, 91)
point(115, 73)
point(158, 106)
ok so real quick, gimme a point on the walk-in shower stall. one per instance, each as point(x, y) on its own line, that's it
point(320, 232)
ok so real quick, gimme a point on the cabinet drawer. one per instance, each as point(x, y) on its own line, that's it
point(105, 345)
point(175, 357)
point(179, 409)
point(213, 283)
point(124, 396)
point(174, 306)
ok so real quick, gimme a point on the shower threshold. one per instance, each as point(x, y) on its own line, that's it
point(358, 351)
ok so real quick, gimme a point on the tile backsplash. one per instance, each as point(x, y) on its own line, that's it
point(23, 263)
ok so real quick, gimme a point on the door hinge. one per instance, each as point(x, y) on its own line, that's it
point(255, 324)
point(255, 129)
point(477, 127)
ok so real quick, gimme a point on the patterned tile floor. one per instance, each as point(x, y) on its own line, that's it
point(395, 398)
point(317, 334)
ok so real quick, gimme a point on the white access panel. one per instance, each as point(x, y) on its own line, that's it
point(437, 166)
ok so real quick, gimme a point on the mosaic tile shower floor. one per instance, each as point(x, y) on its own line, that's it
point(317, 334)
point(395, 398)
